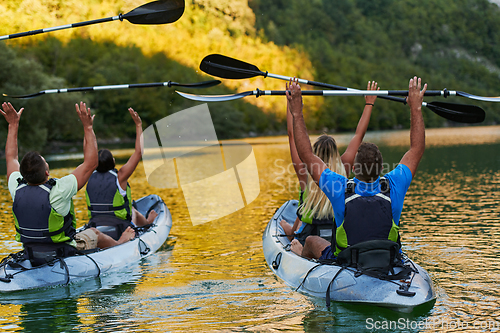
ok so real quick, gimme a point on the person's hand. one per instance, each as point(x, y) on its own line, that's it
point(85, 115)
point(10, 114)
point(294, 96)
point(135, 117)
point(371, 86)
point(415, 95)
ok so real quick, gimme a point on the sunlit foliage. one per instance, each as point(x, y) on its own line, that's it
point(453, 44)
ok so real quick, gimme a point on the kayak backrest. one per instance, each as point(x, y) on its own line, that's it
point(377, 255)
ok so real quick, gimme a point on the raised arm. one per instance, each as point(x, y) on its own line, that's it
point(90, 159)
point(128, 169)
point(417, 130)
point(315, 166)
point(300, 168)
point(11, 151)
point(350, 153)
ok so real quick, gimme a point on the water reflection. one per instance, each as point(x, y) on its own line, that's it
point(213, 277)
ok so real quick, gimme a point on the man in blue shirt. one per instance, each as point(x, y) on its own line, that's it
point(367, 207)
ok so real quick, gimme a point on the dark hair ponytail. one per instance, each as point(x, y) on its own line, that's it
point(106, 161)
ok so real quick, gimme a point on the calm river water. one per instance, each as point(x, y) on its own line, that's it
point(213, 276)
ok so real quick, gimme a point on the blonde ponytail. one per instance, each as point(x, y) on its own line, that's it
point(316, 204)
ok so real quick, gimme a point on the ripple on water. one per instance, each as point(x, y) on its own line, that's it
point(213, 277)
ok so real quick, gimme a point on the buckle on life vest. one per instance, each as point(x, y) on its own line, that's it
point(349, 189)
point(385, 187)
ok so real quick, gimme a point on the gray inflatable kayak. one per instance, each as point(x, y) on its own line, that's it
point(345, 285)
point(17, 274)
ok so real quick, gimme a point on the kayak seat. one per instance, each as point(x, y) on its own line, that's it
point(109, 225)
point(112, 231)
point(322, 230)
point(40, 253)
point(376, 258)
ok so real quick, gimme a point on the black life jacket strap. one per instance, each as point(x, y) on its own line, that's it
point(385, 186)
point(340, 247)
point(107, 208)
point(350, 186)
point(67, 226)
point(51, 181)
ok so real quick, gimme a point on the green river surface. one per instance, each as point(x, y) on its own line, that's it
point(213, 276)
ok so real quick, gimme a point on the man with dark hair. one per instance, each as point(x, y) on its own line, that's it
point(367, 207)
point(33, 166)
point(368, 162)
point(43, 208)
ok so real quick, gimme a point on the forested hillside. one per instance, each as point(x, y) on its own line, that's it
point(453, 44)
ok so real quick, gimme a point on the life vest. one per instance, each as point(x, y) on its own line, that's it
point(313, 226)
point(106, 206)
point(36, 221)
point(307, 218)
point(366, 218)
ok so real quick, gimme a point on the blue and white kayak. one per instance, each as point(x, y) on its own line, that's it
point(346, 285)
point(16, 275)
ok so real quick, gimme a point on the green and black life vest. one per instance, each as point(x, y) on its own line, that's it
point(106, 206)
point(35, 220)
point(307, 217)
point(314, 226)
point(366, 218)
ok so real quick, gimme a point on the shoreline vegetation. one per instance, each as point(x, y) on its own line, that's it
point(451, 44)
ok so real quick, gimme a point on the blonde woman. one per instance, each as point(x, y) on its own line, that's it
point(315, 212)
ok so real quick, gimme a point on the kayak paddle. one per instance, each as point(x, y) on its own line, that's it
point(204, 84)
point(156, 12)
point(461, 113)
point(230, 68)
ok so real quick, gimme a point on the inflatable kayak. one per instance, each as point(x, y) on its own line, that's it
point(343, 284)
point(17, 274)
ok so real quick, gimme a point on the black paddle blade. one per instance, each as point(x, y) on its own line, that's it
point(228, 68)
point(25, 96)
point(461, 113)
point(157, 12)
point(204, 84)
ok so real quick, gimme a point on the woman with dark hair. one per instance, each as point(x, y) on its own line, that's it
point(108, 193)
